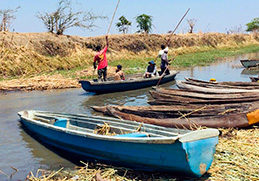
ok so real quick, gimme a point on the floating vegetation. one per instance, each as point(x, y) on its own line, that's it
point(236, 158)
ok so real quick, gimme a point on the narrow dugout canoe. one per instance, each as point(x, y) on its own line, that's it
point(187, 100)
point(249, 63)
point(184, 85)
point(236, 120)
point(225, 86)
point(199, 95)
point(176, 111)
point(153, 148)
point(250, 85)
point(119, 86)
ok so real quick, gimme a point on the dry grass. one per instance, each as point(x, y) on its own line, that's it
point(32, 54)
point(43, 82)
point(236, 158)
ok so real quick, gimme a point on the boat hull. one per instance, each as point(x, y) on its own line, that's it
point(254, 79)
point(193, 158)
point(249, 63)
point(120, 86)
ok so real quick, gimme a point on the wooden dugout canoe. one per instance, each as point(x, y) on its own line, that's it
point(187, 100)
point(219, 90)
point(245, 85)
point(177, 111)
point(153, 148)
point(119, 86)
point(236, 120)
point(199, 95)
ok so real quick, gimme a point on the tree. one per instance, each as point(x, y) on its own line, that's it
point(191, 23)
point(7, 16)
point(64, 18)
point(253, 25)
point(123, 25)
point(144, 23)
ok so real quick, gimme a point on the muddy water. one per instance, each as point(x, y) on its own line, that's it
point(21, 151)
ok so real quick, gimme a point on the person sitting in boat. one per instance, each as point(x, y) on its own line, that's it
point(151, 70)
point(119, 75)
point(101, 59)
point(164, 63)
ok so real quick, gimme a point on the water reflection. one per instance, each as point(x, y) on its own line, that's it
point(250, 71)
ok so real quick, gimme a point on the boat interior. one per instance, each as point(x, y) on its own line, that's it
point(106, 125)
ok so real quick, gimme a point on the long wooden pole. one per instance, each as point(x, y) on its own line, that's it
point(109, 28)
point(178, 24)
point(113, 17)
point(163, 74)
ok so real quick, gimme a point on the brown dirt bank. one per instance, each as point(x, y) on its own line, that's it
point(33, 54)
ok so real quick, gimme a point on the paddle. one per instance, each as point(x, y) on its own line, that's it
point(167, 43)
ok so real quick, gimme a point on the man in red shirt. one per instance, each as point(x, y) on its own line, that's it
point(101, 60)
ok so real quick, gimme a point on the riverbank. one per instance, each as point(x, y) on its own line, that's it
point(60, 61)
point(236, 158)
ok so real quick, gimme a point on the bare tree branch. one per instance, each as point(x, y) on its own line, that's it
point(7, 16)
point(64, 18)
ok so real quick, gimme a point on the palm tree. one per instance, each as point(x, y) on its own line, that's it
point(144, 23)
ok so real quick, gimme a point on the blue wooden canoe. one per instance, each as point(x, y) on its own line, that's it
point(119, 86)
point(151, 148)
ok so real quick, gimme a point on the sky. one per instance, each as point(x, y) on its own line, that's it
point(210, 15)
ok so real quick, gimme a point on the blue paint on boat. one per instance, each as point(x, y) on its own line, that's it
point(61, 123)
point(180, 156)
point(136, 135)
point(119, 86)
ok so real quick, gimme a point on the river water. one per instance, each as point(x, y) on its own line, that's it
point(19, 150)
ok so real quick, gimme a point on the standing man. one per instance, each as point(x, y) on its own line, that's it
point(102, 62)
point(164, 63)
point(162, 51)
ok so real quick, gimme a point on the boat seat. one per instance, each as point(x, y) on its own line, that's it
point(43, 120)
point(133, 135)
point(61, 122)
